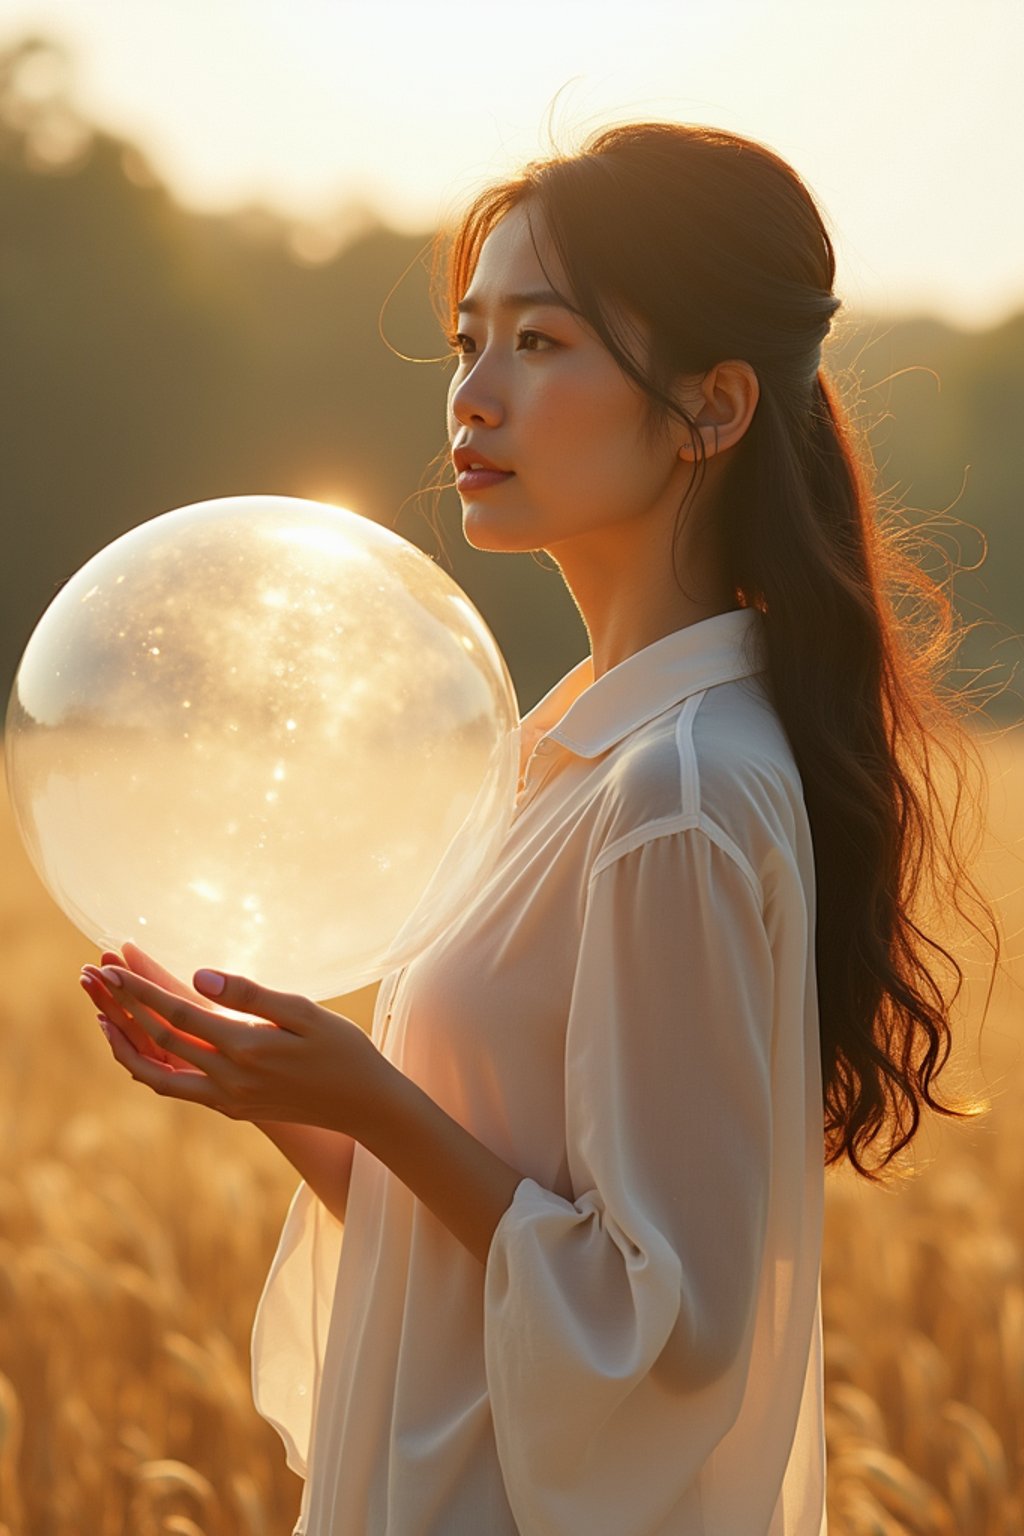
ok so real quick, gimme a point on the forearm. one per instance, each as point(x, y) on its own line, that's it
point(323, 1158)
point(466, 1185)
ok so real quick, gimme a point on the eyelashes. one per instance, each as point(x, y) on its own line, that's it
point(526, 341)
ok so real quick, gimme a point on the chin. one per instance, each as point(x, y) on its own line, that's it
point(496, 535)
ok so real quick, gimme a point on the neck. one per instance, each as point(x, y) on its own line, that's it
point(629, 596)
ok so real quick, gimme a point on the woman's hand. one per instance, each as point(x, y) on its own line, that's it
point(299, 1063)
point(294, 1062)
point(107, 1006)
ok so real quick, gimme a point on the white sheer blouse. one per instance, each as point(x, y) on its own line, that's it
point(627, 1013)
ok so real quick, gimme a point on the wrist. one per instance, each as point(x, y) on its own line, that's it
point(466, 1185)
point(376, 1109)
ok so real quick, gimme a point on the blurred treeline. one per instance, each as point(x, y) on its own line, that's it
point(153, 356)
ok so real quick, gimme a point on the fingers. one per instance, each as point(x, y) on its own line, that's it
point(148, 1032)
point(175, 1024)
point(188, 1050)
point(170, 1040)
point(286, 1009)
point(104, 1000)
point(177, 1083)
point(137, 960)
point(174, 1019)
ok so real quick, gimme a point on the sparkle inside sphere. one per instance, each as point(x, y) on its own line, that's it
point(265, 735)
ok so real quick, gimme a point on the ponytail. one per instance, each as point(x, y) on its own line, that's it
point(859, 695)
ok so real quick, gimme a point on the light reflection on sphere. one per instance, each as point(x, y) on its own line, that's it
point(266, 735)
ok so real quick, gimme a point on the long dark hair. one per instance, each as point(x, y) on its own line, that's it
point(715, 243)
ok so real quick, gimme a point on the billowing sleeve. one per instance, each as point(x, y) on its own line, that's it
point(289, 1335)
point(618, 1325)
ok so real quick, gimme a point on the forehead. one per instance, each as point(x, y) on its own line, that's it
point(509, 259)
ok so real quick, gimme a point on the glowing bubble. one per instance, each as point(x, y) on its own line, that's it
point(267, 735)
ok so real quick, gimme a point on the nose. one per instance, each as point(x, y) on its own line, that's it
point(475, 399)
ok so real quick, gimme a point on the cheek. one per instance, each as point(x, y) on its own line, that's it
point(601, 412)
point(595, 438)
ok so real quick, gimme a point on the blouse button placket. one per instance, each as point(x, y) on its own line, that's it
point(537, 770)
point(390, 1007)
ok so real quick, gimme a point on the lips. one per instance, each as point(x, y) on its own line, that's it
point(470, 458)
point(475, 471)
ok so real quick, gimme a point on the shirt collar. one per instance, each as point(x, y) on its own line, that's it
point(590, 717)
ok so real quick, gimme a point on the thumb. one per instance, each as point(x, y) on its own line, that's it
point(243, 995)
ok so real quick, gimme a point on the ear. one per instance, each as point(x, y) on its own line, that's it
point(722, 402)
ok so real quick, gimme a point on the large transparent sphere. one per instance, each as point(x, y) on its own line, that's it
point(265, 735)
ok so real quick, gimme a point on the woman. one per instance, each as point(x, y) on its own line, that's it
point(579, 1166)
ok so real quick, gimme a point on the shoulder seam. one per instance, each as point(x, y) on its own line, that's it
point(668, 826)
point(689, 773)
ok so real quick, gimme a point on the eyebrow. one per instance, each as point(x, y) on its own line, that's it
point(545, 296)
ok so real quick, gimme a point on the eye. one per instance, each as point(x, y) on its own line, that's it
point(534, 341)
point(460, 343)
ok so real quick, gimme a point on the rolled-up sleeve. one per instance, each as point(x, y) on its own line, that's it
point(618, 1325)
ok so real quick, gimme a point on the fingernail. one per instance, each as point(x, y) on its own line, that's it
point(110, 976)
point(104, 1025)
point(209, 981)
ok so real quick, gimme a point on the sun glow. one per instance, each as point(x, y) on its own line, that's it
point(330, 119)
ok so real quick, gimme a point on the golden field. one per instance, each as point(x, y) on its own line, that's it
point(135, 1235)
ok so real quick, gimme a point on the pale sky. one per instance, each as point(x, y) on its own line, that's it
point(904, 116)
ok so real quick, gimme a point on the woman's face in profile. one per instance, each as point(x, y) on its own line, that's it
point(536, 394)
